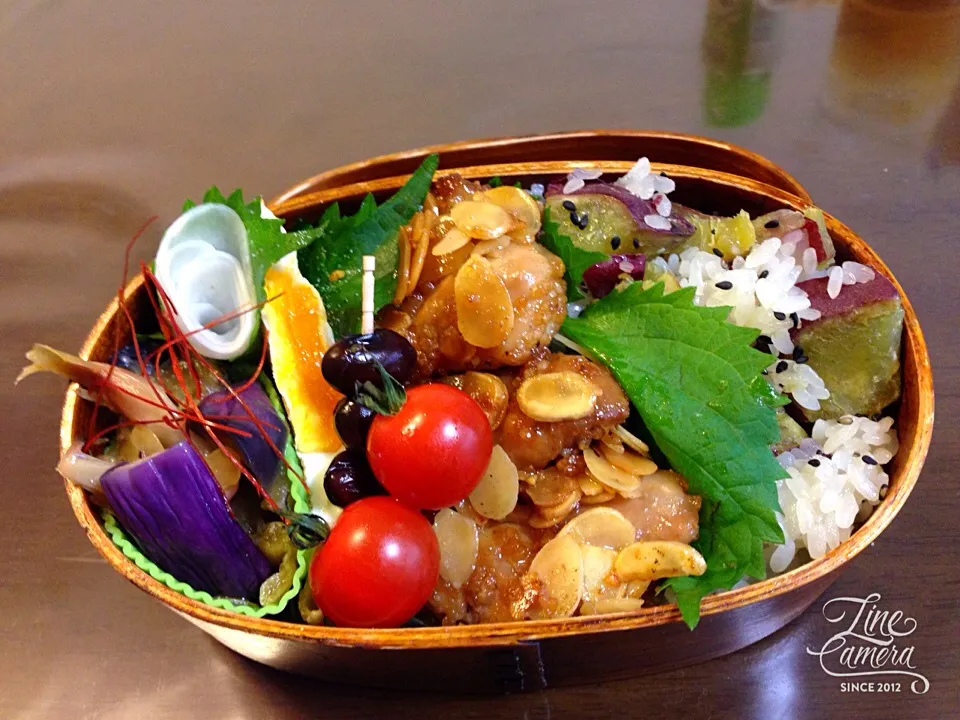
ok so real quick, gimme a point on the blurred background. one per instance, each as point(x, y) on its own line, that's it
point(113, 112)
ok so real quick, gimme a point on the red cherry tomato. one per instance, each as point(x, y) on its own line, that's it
point(434, 451)
point(378, 566)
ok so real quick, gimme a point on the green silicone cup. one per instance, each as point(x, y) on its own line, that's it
point(301, 504)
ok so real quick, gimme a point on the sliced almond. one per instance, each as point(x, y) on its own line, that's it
point(451, 242)
point(549, 487)
point(487, 389)
point(458, 538)
point(601, 527)
point(629, 462)
point(519, 203)
point(611, 606)
point(488, 247)
point(559, 568)
point(496, 494)
point(631, 440)
point(604, 497)
point(560, 511)
point(614, 478)
point(613, 442)
point(597, 571)
point(485, 314)
point(481, 220)
point(556, 396)
point(636, 492)
point(589, 486)
point(658, 559)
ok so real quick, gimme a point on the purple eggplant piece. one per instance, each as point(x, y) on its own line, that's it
point(172, 506)
point(638, 207)
point(258, 455)
point(603, 277)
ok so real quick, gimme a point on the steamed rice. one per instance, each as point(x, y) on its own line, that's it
point(835, 478)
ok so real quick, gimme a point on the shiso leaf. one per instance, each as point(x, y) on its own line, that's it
point(693, 378)
point(576, 260)
point(333, 264)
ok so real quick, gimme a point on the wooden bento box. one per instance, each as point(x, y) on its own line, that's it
point(512, 657)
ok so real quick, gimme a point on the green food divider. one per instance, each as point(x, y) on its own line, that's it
point(301, 504)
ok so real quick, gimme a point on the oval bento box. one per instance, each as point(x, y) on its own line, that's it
point(513, 657)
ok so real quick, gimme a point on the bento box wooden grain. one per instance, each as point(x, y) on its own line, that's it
point(579, 145)
point(514, 657)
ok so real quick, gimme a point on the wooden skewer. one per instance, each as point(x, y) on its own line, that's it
point(366, 294)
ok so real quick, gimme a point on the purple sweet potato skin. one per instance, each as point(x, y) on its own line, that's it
point(601, 278)
point(638, 208)
point(850, 298)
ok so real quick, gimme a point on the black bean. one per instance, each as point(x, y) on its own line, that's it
point(353, 359)
point(615, 242)
point(724, 285)
point(802, 360)
point(568, 205)
point(795, 319)
point(636, 243)
point(583, 221)
point(813, 462)
point(771, 224)
point(781, 366)
point(779, 315)
point(718, 252)
point(869, 460)
point(574, 218)
point(762, 275)
point(797, 352)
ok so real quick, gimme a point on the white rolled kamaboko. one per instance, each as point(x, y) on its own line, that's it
point(203, 265)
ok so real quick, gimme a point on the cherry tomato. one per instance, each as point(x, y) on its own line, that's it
point(378, 566)
point(434, 451)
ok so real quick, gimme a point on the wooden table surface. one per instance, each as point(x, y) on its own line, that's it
point(111, 115)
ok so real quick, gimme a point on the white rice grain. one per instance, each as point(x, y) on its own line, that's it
point(835, 282)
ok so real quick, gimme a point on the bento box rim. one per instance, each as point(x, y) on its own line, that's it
point(581, 139)
point(516, 632)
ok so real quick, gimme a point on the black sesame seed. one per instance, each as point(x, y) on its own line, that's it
point(724, 285)
point(574, 218)
point(869, 460)
point(779, 315)
point(583, 221)
point(762, 275)
point(718, 252)
point(714, 232)
point(795, 319)
point(568, 205)
point(802, 359)
point(615, 242)
point(771, 224)
point(636, 243)
point(813, 462)
point(781, 366)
